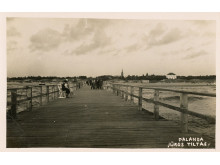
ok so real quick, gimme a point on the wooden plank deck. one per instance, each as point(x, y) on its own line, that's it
point(93, 119)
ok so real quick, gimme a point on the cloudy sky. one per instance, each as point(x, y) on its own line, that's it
point(93, 47)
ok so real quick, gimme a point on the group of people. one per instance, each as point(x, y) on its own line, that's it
point(95, 83)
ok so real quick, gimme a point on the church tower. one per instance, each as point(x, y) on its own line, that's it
point(122, 74)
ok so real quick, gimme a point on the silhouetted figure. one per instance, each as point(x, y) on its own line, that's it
point(101, 84)
point(65, 87)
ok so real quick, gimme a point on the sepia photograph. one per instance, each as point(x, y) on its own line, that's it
point(111, 82)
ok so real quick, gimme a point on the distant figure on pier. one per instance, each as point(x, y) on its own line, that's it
point(92, 84)
point(99, 84)
point(65, 87)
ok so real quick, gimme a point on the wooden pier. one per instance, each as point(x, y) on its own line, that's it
point(97, 119)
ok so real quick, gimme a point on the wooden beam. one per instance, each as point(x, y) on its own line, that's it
point(48, 96)
point(41, 98)
point(156, 106)
point(140, 99)
point(126, 94)
point(132, 93)
point(184, 115)
point(13, 111)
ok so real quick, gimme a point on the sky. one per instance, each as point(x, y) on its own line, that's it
point(94, 47)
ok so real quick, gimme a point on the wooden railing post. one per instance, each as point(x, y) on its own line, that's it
point(122, 92)
point(119, 92)
point(126, 94)
point(47, 94)
point(53, 92)
point(58, 91)
point(27, 103)
point(30, 98)
point(140, 99)
point(41, 97)
point(132, 92)
point(113, 88)
point(13, 111)
point(156, 106)
point(184, 115)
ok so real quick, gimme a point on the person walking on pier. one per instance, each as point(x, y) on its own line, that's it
point(65, 87)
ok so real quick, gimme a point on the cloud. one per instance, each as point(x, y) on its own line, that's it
point(99, 40)
point(160, 35)
point(77, 32)
point(157, 31)
point(107, 51)
point(132, 48)
point(172, 36)
point(195, 55)
point(83, 31)
point(89, 32)
point(209, 34)
point(11, 45)
point(202, 22)
point(45, 40)
point(83, 28)
point(12, 32)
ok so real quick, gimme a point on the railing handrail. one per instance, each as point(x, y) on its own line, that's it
point(31, 86)
point(171, 90)
point(183, 109)
point(28, 98)
point(15, 101)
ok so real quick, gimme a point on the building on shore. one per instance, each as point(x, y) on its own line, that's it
point(171, 76)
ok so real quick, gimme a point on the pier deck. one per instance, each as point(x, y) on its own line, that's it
point(93, 119)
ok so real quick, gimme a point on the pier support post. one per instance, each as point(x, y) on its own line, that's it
point(13, 111)
point(140, 99)
point(184, 115)
point(41, 95)
point(47, 94)
point(156, 106)
point(132, 93)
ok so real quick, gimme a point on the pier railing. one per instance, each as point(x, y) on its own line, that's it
point(126, 91)
point(29, 93)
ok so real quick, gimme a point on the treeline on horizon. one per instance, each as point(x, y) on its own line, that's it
point(109, 77)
